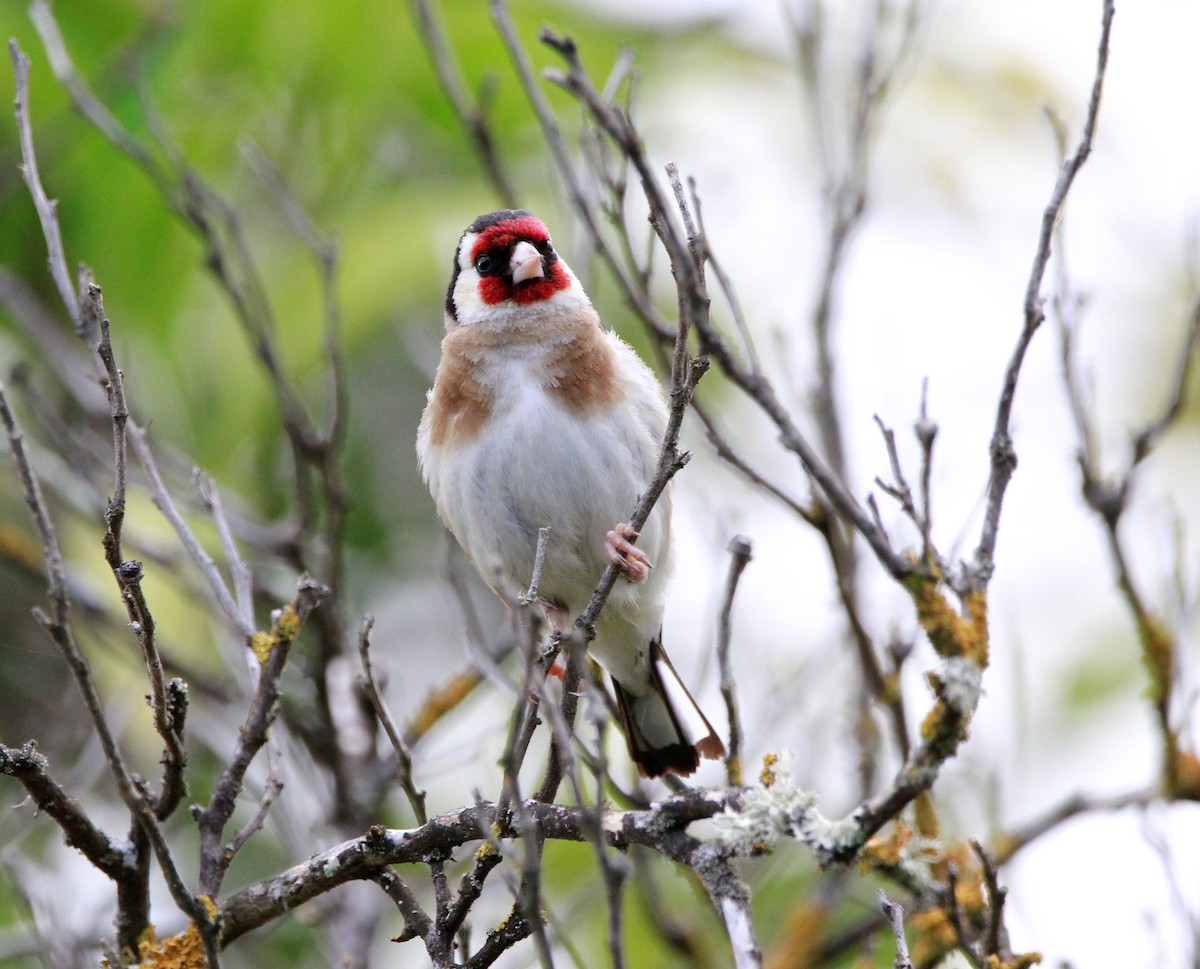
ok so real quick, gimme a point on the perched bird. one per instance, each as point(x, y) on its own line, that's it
point(538, 417)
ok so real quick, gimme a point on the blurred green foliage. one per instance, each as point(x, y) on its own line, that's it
point(343, 102)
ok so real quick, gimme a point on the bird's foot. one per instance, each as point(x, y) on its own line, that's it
point(558, 670)
point(625, 555)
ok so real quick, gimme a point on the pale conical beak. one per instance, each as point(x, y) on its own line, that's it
point(526, 263)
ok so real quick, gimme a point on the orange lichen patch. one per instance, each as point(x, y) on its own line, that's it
point(1016, 962)
point(261, 644)
point(1183, 776)
point(798, 945)
point(767, 776)
point(925, 815)
point(182, 951)
point(884, 849)
point(968, 893)
point(288, 625)
point(440, 702)
point(285, 629)
point(1003, 847)
point(934, 936)
point(1158, 652)
point(943, 729)
point(950, 633)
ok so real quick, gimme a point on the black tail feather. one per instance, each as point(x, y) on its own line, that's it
point(680, 755)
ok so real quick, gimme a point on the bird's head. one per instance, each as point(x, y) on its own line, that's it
point(505, 267)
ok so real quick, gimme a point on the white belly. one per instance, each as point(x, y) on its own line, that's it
point(536, 466)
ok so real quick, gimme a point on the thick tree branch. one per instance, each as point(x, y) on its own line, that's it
point(660, 827)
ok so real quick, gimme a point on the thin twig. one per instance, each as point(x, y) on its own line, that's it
point(1003, 455)
point(926, 431)
point(46, 209)
point(895, 916)
point(272, 788)
point(899, 489)
point(162, 499)
point(739, 557)
point(416, 923)
point(1148, 436)
point(954, 916)
point(404, 764)
point(239, 571)
point(995, 937)
point(636, 296)
point(1006, 845)
point(211, 820)
point(128, 573)
point(725, 451)
point(472, 112)
point(539, 563)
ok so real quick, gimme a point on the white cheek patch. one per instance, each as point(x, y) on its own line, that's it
point(465, 248)
point(467, 301)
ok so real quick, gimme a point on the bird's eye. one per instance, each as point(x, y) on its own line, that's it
point(483, 264)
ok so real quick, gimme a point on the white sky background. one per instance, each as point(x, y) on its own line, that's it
point(934, 288)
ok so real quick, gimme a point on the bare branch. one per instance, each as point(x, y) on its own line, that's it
point(404, 765)
point(732, 899)
point(243, 580)
point(162, 499)
point(1003, 455)
point(128, 573)
point(46, 209)
point(32, 771)
point(660, 827)
point(635, 296)
point(416, 923)
point(895, 916)
point(472, 112)
point(1145, 439)
point(740, 555)
point(539, 563)
point(926, 431)
point(1007, 844)
point(273, 649)
point(995, 939)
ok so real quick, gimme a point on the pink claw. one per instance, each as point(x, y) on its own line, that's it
point(625, 555)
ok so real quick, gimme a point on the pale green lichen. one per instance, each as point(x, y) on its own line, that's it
point(776, 808)
point(961, 681)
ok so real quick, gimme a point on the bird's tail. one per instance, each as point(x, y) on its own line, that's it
point(664, 728)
